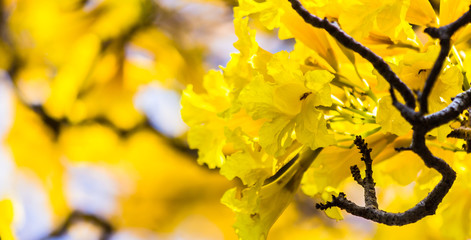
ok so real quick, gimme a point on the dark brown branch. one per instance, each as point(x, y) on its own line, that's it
point(443, 33)
point(419, 211)
point(463, 132)
point(460, 133)
point(407, 113)
point(76, 216)
point(460, 103)
point(370, 211)
point(356, 175)
point(368, 182)
point(432, 77)
point(379, 64)
point(420, 124)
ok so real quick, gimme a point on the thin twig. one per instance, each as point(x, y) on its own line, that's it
point(368, 182)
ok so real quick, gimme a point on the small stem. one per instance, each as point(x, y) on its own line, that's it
point(368, 183)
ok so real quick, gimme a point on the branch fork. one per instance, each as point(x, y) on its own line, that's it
point(421, 123)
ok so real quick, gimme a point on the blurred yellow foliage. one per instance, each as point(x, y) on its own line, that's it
point(80, 141)
point(76, 69)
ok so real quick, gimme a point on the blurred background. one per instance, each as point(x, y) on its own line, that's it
point(92, 143)
point(93, 146)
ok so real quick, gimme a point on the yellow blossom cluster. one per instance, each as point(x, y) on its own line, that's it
point(264, 116)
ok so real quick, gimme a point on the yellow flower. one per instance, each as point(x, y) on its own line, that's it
point(259, 206)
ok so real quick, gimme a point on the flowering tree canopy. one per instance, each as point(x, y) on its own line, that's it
point(359, 70)
point(357, 122)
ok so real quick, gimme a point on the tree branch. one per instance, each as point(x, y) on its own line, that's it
point(368, 182)
point(370, 211)
point(420, 124)
point(443, 33)
point(460, 103)
point(379, 64)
